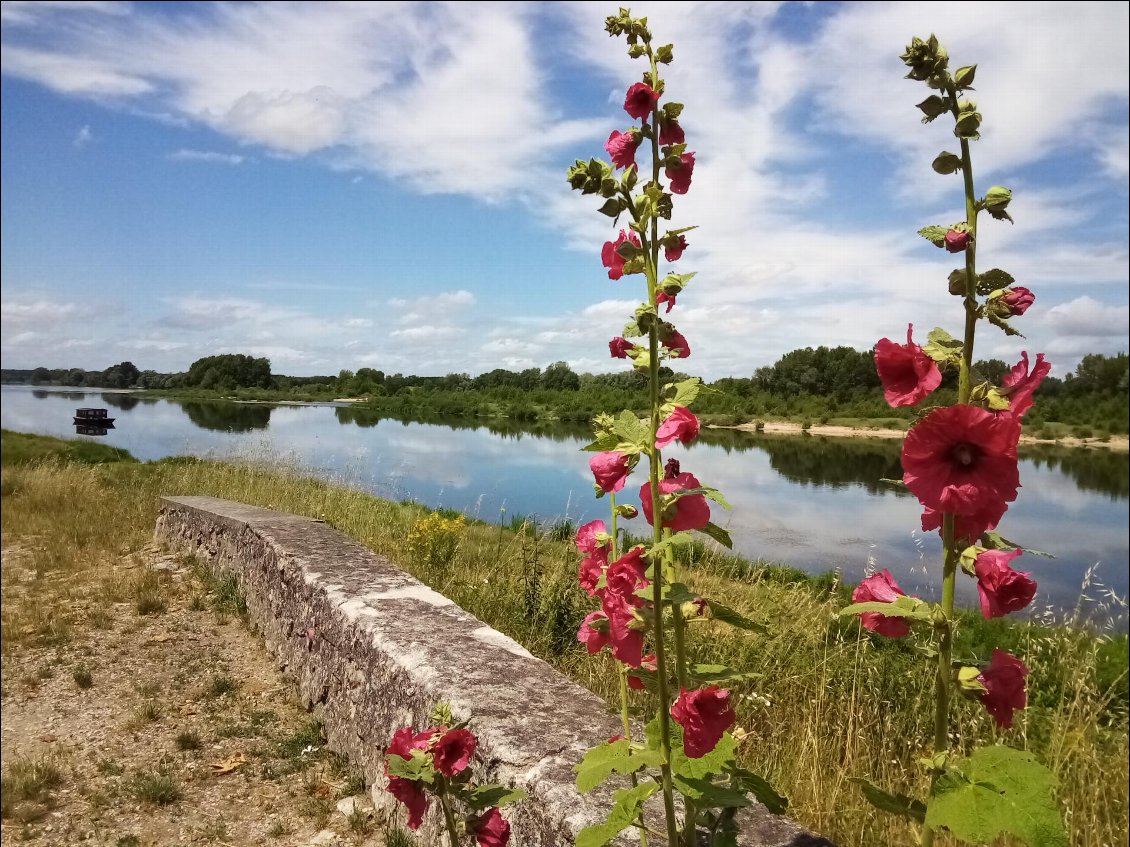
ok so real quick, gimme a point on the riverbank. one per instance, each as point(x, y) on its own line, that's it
point(828, 700)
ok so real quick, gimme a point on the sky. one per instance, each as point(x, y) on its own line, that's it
point(346, 185)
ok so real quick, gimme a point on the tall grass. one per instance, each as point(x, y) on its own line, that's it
point(829, 701)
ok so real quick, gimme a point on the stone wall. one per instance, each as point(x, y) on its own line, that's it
point(372, 649)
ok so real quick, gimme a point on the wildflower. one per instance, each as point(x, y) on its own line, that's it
point(1017, 300)
point(454, 750)
point(680, 174)
point(681, 424)
point(610, 469)
point(619, 347)
point(687, 512)
point(1002, 589)
point(881, 588)
point(592, 538)
point(907, 373)
point(670, 132)
point(621, 147)
point(1019, 385)
point(640, 101)
point(673, 247)
point(674, 340)
point(610, 256)
point(704, 715)
point(1004, 687)
point(594, 632)
point(492, 830)
point(956, 240)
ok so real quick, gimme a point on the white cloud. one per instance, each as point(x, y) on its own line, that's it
point(83, 137)
point(1088, 318)
point(209, 156)
point(36, 312)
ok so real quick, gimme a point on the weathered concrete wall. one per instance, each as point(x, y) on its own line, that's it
point(373, 648)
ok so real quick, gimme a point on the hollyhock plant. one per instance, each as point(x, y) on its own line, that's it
point(453, 751)
point(592, 539)
point(681, 425)
point(967, 528)
point(610, 469)
point(962, 460)
point(590, 572)
point(1002, 589)
point(621, 147)
point(956, 240)
point(1018, 300)
point(492, 829)
point(907, 373)
point(881, 588)
point(1004, 682)
point(673, 247)
point(689, 511)
point(626, 574)
point(594, 632)
point(670, 132)
point(647, 664)
point(412, 796)
point(610, 255)
point(625, 627)
point(640, 101)
point(675, 341)
point(664, 298)
point(1019, 384)
point(620, 347)
point(679, 175)
point(704, 715)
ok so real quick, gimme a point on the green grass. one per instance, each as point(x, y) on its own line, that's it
point(26, 786)
point(34, 448)
point(829, 701)
point(155, 786)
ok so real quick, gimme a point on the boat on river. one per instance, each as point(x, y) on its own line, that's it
point(93, 418)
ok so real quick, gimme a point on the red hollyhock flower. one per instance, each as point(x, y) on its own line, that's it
point(640, 101)
point(962, 460)
point(673, 248)
point(663, 297)
point(675, 341)
point(612, 259)
point(1018, 299)
point(907, 373)
point(454, 750)
point(648, 664)
point(594, 632)
point(681, 424)
point(625, 636)
point(621, 147)
point(412, 796)
point(967, 528)
point(586, 539)
point(704, 715)
point(1004, 687)
point(670, 132)
point(956, 240)
point(1019, 385)
point(690, 511)
point(590, 571)
point(680, 175)
point(610, 469)
point(1002, 589)
point(619, 347)
point(492, 830)
point(625, 575)
point(881, 588)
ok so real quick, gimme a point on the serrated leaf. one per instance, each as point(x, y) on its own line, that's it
point(942, 347)
point(895, 804)
point(1002, 324)
point(993, 279)
point(602, 761)
point(734, 618)
point(936, 235)
point(903, 607)
point(679, 539)
point(625, 809)
point(711, 795)
point(680, 393)
point(760, 788)
point(709, 493)
point(998, 790)
point(996, 541)
point(486, 796)
point(612, 208)
point(715, 674)
point(722, 536)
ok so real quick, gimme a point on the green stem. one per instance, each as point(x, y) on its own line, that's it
point(449, 817)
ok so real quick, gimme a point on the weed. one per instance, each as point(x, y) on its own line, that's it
point(25, 788)
point(308, 736)
point(279, 828)
point(108, 767)
point(360, 822)
point(154, 786)
point(397, 837)
point(227, 598)
point(149, 594)
point(145, 713)
point(222, 685)
point(128, 840)
point(187, 741)
point(83, 677)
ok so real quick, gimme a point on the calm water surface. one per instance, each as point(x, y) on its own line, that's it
point(814, 503)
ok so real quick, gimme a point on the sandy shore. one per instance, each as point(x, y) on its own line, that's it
point(1118, 443)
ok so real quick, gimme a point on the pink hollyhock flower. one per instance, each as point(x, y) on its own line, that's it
point(1019, 385)
point(492, 830)
point(881, 588)
point(962, 460)
point(640, 101)
point(590, 571)
point(956, 240)
point(907, 373)
point(587, 541)
point(689, 512)
point(681, 424)
point(610, 470)
point(1002, 589)
point(412, 796)
point(1018, 299)
point(620, 347)
point(680, 175)
point(404, 741)
point(621, 147)
point(704, 715)
point(676, 341)
point(625, 635)
point(594, 632)
point(670, 132)
point(648, 664)
point(966, 527)
point(1004, 687)
point(625, 575)
point(612, 259)
point(454, 750)
point(663, 297)
point(673, 249)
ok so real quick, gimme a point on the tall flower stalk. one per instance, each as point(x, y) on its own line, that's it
point(687, 754)
point(961, 463)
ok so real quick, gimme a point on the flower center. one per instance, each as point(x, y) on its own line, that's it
point(964, 454)
point(671, 469)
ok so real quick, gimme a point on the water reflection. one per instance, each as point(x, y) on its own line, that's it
point(223, 416)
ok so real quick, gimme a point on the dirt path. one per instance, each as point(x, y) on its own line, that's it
point(163, 723)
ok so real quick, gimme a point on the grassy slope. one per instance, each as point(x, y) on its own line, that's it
point(831, 701)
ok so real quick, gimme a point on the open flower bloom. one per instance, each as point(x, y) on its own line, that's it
point(621, 147)
point(619, 347)
point(689, 512)
point(663, 297)
point(625, 575)
point(679, 176)
point(590, 572)
point(408, 792)
point(704, 715)
point(625, 627)
point(674, 340)
point(1002, 589)
point(492, 829)
point(640, 101)
point(962, 460)
point(1004, 687)
point(454, 750)
point(587, 541)
point(610, 469)
point(670, 132)
point(907, 373)
point(673, 247)
point(881, 588)
point(681, 424)
point(1019, 385)
point(611, 259)
point(594, 632)
point(648, 664)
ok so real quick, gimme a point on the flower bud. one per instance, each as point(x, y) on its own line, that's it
point(958, 283)
point(967, 124)
point(957, 239)
point(946, 163)
point(626, 510)
point(963, 77)
point(997, 199)
point(925, 58)
point(1011, 302)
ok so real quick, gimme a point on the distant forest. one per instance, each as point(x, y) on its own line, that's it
point(811, 383)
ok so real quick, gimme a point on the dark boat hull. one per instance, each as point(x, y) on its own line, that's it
point(105, 423)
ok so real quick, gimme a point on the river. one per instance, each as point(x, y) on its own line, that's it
point(811, 502)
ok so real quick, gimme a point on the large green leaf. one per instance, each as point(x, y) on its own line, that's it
point(936, 235)
point(760, 788)
point(613, 756)
point(625, 809)
point(724, 613)
point(710, 794)
point(722, 536)
point(903, 607)
point(895, 804)
point(998, 790)
point(486, 796)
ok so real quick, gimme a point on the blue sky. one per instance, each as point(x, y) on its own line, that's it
point(345, 185)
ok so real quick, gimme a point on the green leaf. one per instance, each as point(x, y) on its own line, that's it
point(998, 790)
point(996, 541)
point(895, 804)
point(715, 674)
point(716, 532)
point(933, 106)
point(760, 788)
point(942, 347)
point(671, 112)
point(612, 208)
point(601, 761)
point(418, 769)
point(709, 493)
point(988, 395)
point(733, 617)
point(717, 761)
point(625, 809)
point(710, 794)
point(679, 539)
point(486, 796)
point(992, 280)
point(903, 607)
point(963, 77)
point(680, 393)
point(936, 235)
